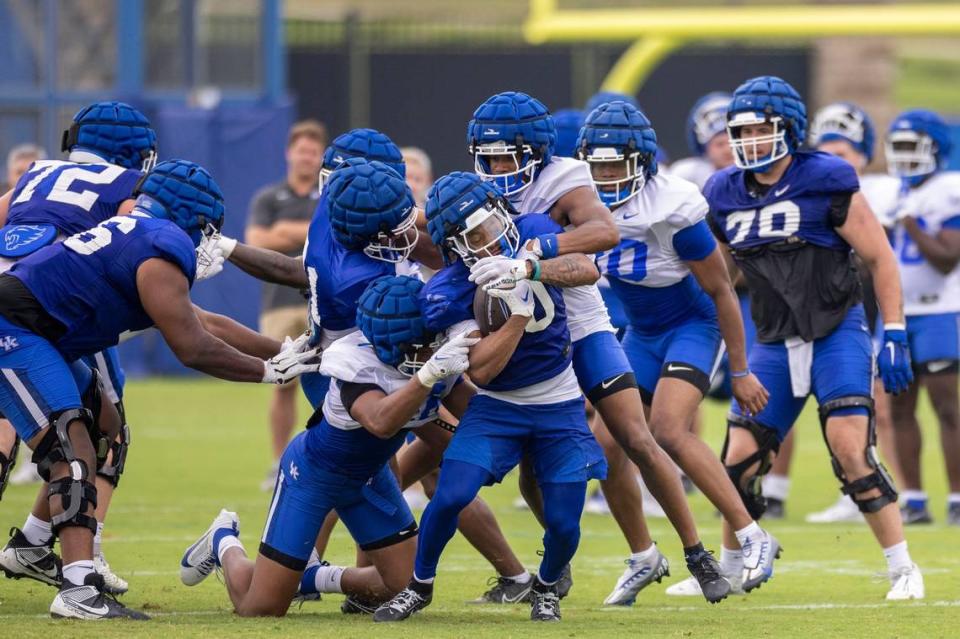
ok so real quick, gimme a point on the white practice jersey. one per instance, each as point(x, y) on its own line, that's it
point(352, 359)
point(927, 291)
point(882, 193)
point(647, 222)
point(586, 312)
point(692, 169)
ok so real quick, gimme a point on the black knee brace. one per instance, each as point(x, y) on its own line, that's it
point(751, 491)
point(92, 399)
point(7, 462)
point(77, 491)
point(113, 467)
point(879, 478)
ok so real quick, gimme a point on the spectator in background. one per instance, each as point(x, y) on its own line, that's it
point(19, 160)
point(419, 172)
point(279, 218)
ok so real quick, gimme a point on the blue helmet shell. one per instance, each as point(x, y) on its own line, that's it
point(389, 316)
point(184, 193)
point(114, 131)
point(368, 144)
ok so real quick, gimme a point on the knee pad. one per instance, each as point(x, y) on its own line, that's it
point(77, 492)
point(7, 462)
point(879, 478)
point(113, 466)
point(751, 490)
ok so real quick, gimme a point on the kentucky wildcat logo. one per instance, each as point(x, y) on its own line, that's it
point(8, 343)
point(22, 235)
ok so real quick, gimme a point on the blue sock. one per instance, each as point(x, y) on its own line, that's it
point(457, 486)
point(562, 507)
point(218, 536)
point(308, 582)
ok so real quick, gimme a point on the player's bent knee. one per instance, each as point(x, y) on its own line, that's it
point(747, 473)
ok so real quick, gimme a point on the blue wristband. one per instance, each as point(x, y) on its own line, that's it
point(739, 374)
point(548, 245)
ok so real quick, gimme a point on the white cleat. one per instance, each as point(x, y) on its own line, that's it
point(199, 559)
point(906, 584)
point(759, 552)
point(844, 510)
point(112, 583)
point(637, 576)
point(25, 473)
point(415, 498)
point(690, 587)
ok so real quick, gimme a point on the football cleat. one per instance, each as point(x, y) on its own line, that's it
point(776, 509)
point(25, 474)
point(953, 514)
point(505, 591)
point(758, 556)
point(637, 576)
point(89, 601)
point(544, 602)
point(270, 479)
point(915, 513)
point(690, 587)
point(844, 510)
point(355, 606)
point(710, 581)
point(404, 604)
point(566, 581)
point(200, 559)
point(113, 584)
point(906, 584)
point(19, 559)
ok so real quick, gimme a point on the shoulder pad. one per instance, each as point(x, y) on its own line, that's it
point(352, 359)
point(176, 246)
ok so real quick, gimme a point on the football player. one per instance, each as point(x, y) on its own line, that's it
point(789, 220)
point(512, 139)
point(672, 280)
point(707, 140)
point(926, 241)
point(528, 398)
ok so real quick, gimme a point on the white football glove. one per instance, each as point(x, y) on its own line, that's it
point(450, 359)
point(294, 359)
point(211, 254)
point(519, 299)
point(498, 271)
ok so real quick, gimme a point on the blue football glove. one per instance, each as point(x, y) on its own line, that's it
point(893, 360)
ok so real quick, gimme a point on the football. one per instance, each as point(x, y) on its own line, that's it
point(490, 312)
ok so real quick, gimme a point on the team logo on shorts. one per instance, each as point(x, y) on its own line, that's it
point(9, 343)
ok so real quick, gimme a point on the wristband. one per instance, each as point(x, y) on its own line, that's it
point(535, 275)
point(739, 374)
point(895, 326)
point(548, 245)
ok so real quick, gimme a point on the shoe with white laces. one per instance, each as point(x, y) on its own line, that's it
point(88, 601)
point(906, 584)
point(842, 511)
point(113, 584)
point(637, 576)
point(544, 602)
point(505, 590)
point(411, 599)
point(690, 587)
point(200, 558)
point(759, 552)
point(20, 558)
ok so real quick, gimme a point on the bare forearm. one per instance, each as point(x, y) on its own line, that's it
point(590, 237)
point(208, 354)
point(237, 335)
point(489, 356)
point(940, 255)
point(574, 269)
point(270, 266)
point(886, 284)
point(393, 411)
point(731, 326)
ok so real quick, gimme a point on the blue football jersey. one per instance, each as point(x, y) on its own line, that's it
point(544, 350)
point(89, 282)
point(71, 196)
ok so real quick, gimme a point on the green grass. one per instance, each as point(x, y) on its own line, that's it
point(202, 445)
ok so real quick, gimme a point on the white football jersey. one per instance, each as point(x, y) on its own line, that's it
point(927, 291)
point(352, 359)
point(882, 193)
point(665, 205)
point(692, 169)
point(586, 312)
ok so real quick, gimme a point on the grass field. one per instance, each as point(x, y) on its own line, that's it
point(202, 445)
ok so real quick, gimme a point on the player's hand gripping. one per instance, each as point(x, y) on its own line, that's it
point(295, 358)
point(893, 360)
point(452, 358)
point(498, 271)
point(750, 393)
point(211, 254)
point(519, 299)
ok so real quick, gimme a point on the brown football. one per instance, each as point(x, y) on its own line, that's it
point(490, 312)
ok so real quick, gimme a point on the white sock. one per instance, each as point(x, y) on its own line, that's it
point(226, 543)
point(913, 495)
point(423, 581)
point(522, 578)
point(776, 487)
point(76, 572)
point(953, 498)
point(731, 561)
point(643, 555)
point(328, 579)
point(97, 538)
point(898, 557)
point(751, 530)
point(544, 581)
point(37, 531)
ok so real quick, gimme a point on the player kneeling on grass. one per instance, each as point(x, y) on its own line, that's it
point(390, 376)
point(528, 399)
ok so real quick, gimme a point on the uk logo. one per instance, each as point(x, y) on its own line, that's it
point(9, 343)
point(22, 235)
point(294, 473)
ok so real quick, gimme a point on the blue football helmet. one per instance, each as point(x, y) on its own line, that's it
point(568, 123)
point(516, 125)
point(389, 316)
point(368, 144)
point(184, 193)
point(766, 100)
point(918, 144)
point(847, 122)
point(603, 97)
point(707, 119)
point(371, 208)
point(618, 132)
point(469, 217)
point(115, 132)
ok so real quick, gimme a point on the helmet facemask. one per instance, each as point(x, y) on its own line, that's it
point(488, 231)
point(525, 163)
point(615, 191)
point(747, 151)
point(398, 244)
point(416, 355)
point(910, 154)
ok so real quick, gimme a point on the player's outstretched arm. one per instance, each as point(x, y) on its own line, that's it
point(941, 250)
point(595, 229)
point(165, 296)
point(499, 271)
point(237, 335)
point(284, 235)
point(264, 264)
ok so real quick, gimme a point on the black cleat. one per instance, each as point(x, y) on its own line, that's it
point(566, 582)
point(544, 602)
point(706, 571)
point(505, 591)
point(356, 606)
point(953, 514)
point(911, 514)
point(89, 601)
point(19, 559)
point(411, 599)
point(776, 509)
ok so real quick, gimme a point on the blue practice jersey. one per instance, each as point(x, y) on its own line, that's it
point(544, 350)
point(71, 196)
point(799, 270)
point(88, 283)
